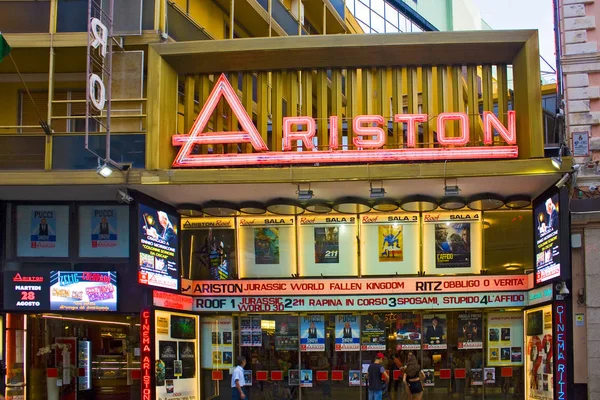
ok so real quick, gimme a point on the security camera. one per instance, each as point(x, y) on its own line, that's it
point(562, 289)
point(123, 197)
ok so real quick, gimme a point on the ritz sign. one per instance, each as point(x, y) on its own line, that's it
point(369, 138)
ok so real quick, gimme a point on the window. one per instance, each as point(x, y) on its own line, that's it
point(25, 16)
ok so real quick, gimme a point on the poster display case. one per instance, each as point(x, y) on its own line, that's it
point(390, 244)
point(327, 245)
point(268, 246)
point(539, 357)
point(505, 339)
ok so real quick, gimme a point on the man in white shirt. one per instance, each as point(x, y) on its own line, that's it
point(237, 380)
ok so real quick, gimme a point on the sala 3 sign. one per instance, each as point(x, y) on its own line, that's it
point(369, 138)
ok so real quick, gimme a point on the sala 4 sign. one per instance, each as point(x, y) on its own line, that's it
point(369, 138)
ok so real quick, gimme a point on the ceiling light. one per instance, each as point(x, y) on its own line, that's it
point(189, 210)
point(517, 201)
point(318, 207)
point(385, 205)
point(485, 202)
point(452, 203)
point(104, 170)
point(285, 207)
point(419, 203)
point(376, 192)
point(351, 205)
point(304, 194)
point(451, 190)
point(557, 162)
point(252, 207)
point(218, 208)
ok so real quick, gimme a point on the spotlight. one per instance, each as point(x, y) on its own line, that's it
point(377, 193)
point(304, 194)
point(562, 289)
point(557, 162)
point(451, 190)
point(104, 170)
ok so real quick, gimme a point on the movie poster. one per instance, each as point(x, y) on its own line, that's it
point(347, 333)
point(354, 377)
point(408, 331)
point(158, 248)
point(327, 245)
point(453, 245)
point(213, 251)
point(187, 357)
point(435, 332)
point(476, 377)
point(373, 335)
point(103, 231)
point(391, 243)
point(429, 377)
point(547, 238)
point(294, 377)
point(306, 378)
point(312, 333)
point(489, 375)
point(251, 331)
point(42, 231)
point(539, 357)
point(266, 245)
point(286, 334)
point(167, 353)
point(470, 331)
point(217, 352)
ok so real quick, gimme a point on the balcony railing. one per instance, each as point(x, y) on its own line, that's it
point(283, 17)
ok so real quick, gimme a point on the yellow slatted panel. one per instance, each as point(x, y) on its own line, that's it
point(427, 104)
point(412, 93)
point(188, 104)
point(473, 104)
point(397, 105)
point(502, 79)
point(457, 96)
point(204, 88)
point(322, 113)
point(276, 110)
point(293, 98)
point(232, 121)
point(352, 93)
point(383, 101)
point(262, 105)
point(367, 90)
point(487, 88)
point(248, 104)
point(336, 100)
point(442, 89)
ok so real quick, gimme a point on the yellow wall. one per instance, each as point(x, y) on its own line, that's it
point(209, 16)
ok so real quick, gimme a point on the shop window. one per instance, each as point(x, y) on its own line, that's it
point(25, 16)
point(508, 241)
point(72, 16)
point(148, 15)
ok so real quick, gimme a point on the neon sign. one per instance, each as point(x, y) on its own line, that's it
point(369, 138)
point(146, 359)
point(560, 364)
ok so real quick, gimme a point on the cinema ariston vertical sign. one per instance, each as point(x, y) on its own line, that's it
point(369, 138)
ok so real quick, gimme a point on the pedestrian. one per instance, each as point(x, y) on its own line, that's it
point(375, 378)
point(413, 376)
point(237, 380)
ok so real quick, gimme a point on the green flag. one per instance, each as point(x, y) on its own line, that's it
point(4, 47)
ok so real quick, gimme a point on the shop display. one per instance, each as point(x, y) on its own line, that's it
point(267, 246)
point(408, 331)
point(103, 231)
point(217, 353)
point(546, 214)
point(158, 248)
point(373, 336)
point(312, 331)
point(250, 331)
point(470, 331)
point(435, 332)
point(83, 291)
point(505, 338)
point(42, 231)
point(347, 333)
point(327, 240)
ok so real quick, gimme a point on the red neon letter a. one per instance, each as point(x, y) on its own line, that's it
point(248, 135)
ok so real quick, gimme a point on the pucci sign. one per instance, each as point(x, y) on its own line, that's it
point(369, 138)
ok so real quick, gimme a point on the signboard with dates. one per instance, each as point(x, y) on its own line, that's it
point(26, 291)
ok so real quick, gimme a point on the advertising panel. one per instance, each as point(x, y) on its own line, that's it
point(539, 359)
point(217, 352)
point(435, 332)
point(505, 339)
point(267, 246)
point(286, 333)
point(347, 333)
point(408, 331)
point(365, 302)
point(390, 244)
point(546, 213)
point(158, 248)
point(327, 245)
point(103, 231)
point(176, 356)
point(470, 331)
point(26, 290)
point(83, 291)
point(42, 231)
point(373, 336)
point(312, 333)
point(452, 242)
point(251, 331)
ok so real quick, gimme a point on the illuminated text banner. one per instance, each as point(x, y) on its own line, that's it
point(359, 302)
point(274, 287)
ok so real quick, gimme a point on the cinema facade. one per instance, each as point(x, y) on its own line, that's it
point(310, 202)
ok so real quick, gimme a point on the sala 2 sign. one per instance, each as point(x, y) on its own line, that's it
point(369, 138)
